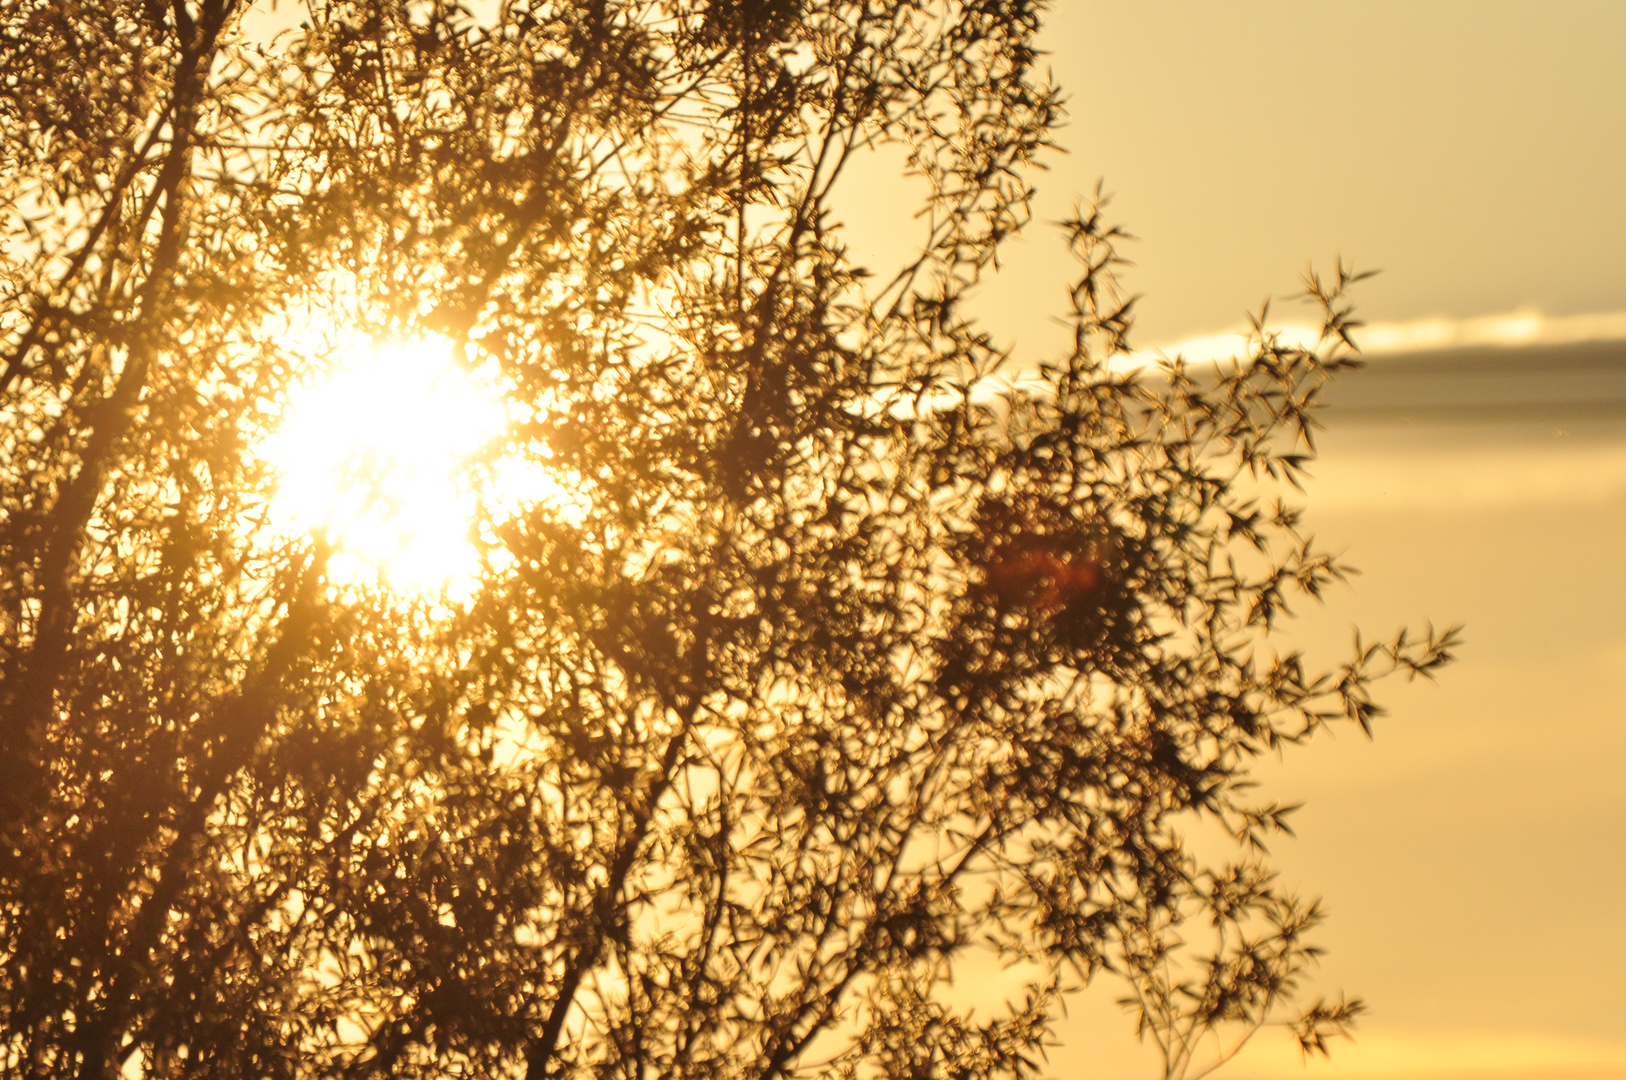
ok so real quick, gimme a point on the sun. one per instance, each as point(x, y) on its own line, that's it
point(379, 458)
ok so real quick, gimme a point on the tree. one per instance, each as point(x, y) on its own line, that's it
point(844, 660)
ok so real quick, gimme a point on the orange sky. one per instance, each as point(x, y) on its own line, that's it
point(1475, 150)
point(1473, 856)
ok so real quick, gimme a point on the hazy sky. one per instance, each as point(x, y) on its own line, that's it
point(1473, 151)
point(1474, 855)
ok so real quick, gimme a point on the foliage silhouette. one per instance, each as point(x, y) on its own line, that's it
point(849, 660)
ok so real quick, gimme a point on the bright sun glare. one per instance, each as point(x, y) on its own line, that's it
point(376, 459)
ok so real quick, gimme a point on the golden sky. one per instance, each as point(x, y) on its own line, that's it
point(1474, 150)
point(1473, 856)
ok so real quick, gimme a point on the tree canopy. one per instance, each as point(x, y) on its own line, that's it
point(838, 647)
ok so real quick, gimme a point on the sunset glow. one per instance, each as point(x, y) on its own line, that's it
point(379, 459)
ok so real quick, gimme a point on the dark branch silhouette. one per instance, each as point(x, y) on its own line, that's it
point(853, 657)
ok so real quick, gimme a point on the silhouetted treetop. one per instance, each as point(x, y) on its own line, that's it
point(819, 651)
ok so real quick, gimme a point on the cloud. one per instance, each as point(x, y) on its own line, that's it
point(1514, 328)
